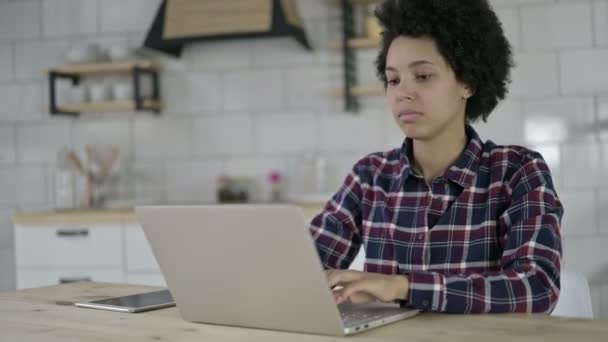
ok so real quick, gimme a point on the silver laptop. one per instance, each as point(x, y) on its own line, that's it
point(251, 266)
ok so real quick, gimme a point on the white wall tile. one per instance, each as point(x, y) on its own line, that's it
point(103, 133)
point(509, 17)
point(338, 167)
point(32, 185)
point(21, 101)
point(602, 206)
point(582, 166)
point(596, 300)
point(282, 133)
point(19, 19)
point(602, 115)
point(535, 75)
point(600, 20)
point(7, 265)
point(580, 70)
point(366, 69)
point(587, 255)
point(250, 90)
point(580, 215)
point(8, 186)
point(69, 17)
point(224, 135)
point(499, 3)
point(604, 158)
point(257, 170)
point(346, 132)
point(29, 63)
point(192, 182)
point(162, 138)
point(220, 55)
point(603, 306)
point(553, 26)
point(308, 88)
point(559, 119)
point(6, 62)
point(505, 124)
point(191, 93)
point(149, 182)
point(40, 142)
point(272, 52)
point(6, 227)
point(7, 144)
point(127, 15)
point(316, 8)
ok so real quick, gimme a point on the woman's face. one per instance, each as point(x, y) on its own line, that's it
point(424, 95)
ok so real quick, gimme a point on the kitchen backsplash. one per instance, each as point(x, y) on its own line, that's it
point(245, 108)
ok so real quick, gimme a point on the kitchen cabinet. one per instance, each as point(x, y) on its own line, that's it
point(97, 245)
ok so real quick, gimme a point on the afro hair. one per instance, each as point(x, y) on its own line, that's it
point(467, 33)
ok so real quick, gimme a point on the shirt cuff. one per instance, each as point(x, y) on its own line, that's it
point(427, 291)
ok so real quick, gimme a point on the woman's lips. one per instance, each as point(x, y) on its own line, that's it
point(408, 116)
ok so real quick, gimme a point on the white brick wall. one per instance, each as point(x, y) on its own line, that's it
point(246, 107)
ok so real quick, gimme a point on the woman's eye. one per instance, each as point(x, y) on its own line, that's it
point(423, 77)
point(393, 81)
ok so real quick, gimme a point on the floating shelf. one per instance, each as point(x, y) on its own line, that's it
point(136, 68)
point(106, 68)
point(360, 91)
point(357, 2)
point(110, 106)
point(358, 43)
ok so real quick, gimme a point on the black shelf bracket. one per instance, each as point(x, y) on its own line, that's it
point(137, 74)
point(351, 102)
point(53, 77)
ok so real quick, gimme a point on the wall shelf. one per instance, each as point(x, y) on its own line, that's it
point(110, 106)
point(358, 43)
point(361, 91)
point(137, 68)
point(351, 90)
point(107, 67)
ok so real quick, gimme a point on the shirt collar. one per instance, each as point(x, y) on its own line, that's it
point(464, 169)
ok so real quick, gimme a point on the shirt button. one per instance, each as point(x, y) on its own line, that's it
point(420, 236)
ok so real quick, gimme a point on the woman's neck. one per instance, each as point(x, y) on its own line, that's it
point(433, 157)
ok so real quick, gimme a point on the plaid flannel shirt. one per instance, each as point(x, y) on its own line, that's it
point(483, 237)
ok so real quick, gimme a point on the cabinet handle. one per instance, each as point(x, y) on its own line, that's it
point(72, 232)
point(65, 280)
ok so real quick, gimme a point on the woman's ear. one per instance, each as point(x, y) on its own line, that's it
point(468, 92)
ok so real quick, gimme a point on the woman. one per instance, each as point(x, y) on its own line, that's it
point(448, 222)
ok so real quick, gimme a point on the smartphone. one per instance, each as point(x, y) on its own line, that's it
point(133, 303)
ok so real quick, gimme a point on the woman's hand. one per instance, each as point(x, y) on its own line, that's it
point(362, 287)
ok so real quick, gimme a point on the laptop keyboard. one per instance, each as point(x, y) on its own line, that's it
point(356, 315)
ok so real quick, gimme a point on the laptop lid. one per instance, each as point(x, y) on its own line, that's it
point(242, 265)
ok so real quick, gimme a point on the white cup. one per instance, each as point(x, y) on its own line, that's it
point(118, 53)
point(99, 92)
point(122, 91)
point(78, 94)
point(87, 53)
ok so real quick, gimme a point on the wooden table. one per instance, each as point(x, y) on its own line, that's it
point(46, 314)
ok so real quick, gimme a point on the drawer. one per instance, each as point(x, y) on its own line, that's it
point(27, 278)
point(139, 254)
point(146, 278)
point(97, 245)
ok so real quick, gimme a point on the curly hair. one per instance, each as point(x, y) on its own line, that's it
point(468, 34)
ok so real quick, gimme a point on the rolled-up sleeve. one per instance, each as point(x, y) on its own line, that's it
point(336, 230)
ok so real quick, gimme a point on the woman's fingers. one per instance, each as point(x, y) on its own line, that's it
point(341, 277)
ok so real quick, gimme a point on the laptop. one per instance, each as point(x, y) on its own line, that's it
point(252, 266)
